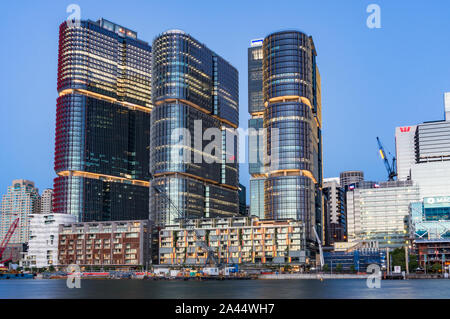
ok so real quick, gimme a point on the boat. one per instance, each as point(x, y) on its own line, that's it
point(16, 276)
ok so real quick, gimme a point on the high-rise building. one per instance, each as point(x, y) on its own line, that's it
point(350, 177)
point(195, 94)
point(423, 155)
point(255, 125)
point(47, 201)
point(43, 244)
point(21, 200)
point(292, 115)
point(335, 219)
point(405, 151)
point(380, 213)
point(102, 122)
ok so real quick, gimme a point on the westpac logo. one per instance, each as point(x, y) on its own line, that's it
point(405, 129)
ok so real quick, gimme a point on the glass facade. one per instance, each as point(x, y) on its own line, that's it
point(430, 219)
point(381, 213)
point(193, 89)
point(102, 123)
point(255, 77)
point(257, 197)
point(291, 90)
point(255, 125)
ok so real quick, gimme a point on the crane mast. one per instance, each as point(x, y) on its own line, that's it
point(7, 238)
point(390, 168)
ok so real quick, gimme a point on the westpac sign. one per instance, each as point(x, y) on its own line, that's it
point(441, 201)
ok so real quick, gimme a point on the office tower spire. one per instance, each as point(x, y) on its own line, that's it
point(293, 109)
point(102, 122)
point(194, 89)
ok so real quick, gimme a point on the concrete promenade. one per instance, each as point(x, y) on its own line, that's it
point(313, 276)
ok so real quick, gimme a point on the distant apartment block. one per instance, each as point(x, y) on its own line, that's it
point(21, 200)
point(46, 204)
point(120, 243)
point(246, 240)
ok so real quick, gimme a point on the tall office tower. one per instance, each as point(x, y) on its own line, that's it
point(21, 200)
point(405, 151)
point(102, 122)
point(351, 177)
point(335, 221)
point(291, 86)
point(255, 125)
point(193, 89)
point(423, 155)
point(46, 203)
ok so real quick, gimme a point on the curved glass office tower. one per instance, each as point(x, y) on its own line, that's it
point(195, 89)
point(291, 86)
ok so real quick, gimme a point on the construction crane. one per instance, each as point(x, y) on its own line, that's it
point(391, 168)
point(210, 253)
point(6, 240)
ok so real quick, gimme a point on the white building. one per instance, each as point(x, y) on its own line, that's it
point(423, 154)
point(47, 201)
point(43, 244)
point(380, 214)
point(447, 106)
point(433, 178)
point(405, 151)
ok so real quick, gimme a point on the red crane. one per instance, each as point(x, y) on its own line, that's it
point(7, 238)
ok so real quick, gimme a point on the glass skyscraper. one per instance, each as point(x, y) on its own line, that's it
point(255, 123)
point(292, 115)
point(102, 122)
point(194, 89)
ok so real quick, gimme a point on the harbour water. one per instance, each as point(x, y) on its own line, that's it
point(260, 289)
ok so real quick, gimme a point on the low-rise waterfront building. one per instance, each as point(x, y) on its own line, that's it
point(239, 240)
point(433, 251)
point(430, 219)
point(118, 243)
point(43, 244)
point(354, 261)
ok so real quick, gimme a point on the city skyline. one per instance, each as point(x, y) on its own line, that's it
point(384, 99)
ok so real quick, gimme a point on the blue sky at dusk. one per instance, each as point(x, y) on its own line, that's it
point(372, 79)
